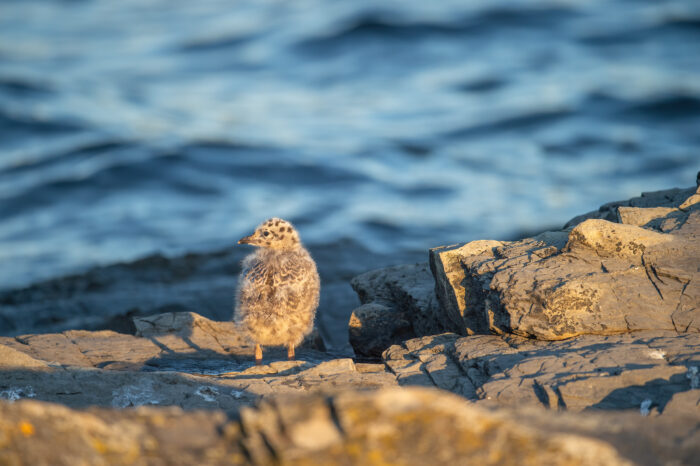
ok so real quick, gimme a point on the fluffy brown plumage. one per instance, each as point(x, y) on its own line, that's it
point(278, 289)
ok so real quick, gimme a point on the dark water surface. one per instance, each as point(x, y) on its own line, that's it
point(130, 127)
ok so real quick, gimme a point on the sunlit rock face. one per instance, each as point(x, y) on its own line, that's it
point(637, 270)
point(601, 315)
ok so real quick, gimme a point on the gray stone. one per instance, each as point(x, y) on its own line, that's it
point(373, 327)
point(668, 198)
point(641, 216)
point(600, 278)
point(463, 288)
point(588, 372)
point(397, 303)
point(180, 359)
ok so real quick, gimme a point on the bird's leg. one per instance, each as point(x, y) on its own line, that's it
point(290, 352)
point(258, 355)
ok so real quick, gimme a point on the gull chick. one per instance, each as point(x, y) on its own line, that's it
point(278, 289)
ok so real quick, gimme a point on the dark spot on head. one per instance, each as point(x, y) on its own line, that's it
point(268, 243)
point(277, 223)
point(281, 236)
point(289, 229)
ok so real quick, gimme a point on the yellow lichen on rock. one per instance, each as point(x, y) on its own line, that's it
point(27, 428)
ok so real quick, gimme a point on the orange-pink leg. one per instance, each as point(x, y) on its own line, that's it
point(290, 352)
point(258, 355)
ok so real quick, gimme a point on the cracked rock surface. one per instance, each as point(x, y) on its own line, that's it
point(588, 372)
point(601, 277)
point(186, 360)
point(178, 359)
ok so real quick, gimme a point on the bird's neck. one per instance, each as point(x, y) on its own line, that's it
point(268, 253)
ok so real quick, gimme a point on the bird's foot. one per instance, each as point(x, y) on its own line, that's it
point(258, 355)
point(290, 353)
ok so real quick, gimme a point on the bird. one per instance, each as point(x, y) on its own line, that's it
point(278, 288)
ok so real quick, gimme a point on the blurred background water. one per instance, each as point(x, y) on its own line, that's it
point(134, 126)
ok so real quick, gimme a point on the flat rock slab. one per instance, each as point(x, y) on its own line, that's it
point(186, 360)
point(387, 426)
point(180, 359)
point(649, 372)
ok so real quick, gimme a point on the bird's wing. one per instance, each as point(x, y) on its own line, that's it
point(294, 270)
point(255, 285)
point(256, 273)
point(289, 281)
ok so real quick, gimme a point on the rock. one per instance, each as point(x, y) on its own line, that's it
point(186, 324)
point(691, 201)
point(13, 358)
point(600, 278)
point(588, 372)
point(669, 198)
point(464, 292)
point(374, 327)
point(414, 426)
point(397, 426)
point(180, 359)
point(50, 434)
point(398, 303)
point(337, 263)
point(683, 403)
point(188, 361)
point(408, 288)
point(609, 239)
point(641, 216)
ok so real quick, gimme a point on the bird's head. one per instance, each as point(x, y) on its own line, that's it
point(274, 233)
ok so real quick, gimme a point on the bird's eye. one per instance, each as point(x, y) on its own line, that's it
point(266, 233)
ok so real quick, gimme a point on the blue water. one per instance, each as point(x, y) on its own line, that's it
point(130, 127)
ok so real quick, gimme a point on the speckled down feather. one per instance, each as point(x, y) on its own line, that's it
point(279, 286)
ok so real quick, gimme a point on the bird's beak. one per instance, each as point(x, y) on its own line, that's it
point(246, 240)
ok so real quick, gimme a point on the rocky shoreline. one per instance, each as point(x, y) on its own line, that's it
point(577, 346)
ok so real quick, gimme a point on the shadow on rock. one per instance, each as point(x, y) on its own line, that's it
point(654, 394)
